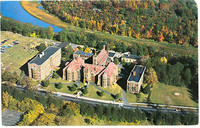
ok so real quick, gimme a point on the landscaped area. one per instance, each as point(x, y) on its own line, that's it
point(165, 94)
point(92, 91)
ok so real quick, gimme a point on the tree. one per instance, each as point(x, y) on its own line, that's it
point(50, 32)
point(116, 61)
point(55, 75)
point(46, 119)
point(116, 96)
point(85, 90)
point(5, 99)
point(67, 52)
point(31, 115)
point(101, 93)
point(100, 110)
point(58, 85)
point(72, 88)
point(187, 76)
point(45, 83)
point(150, 76)
point(41, 47)
point(42, 99)
point(88, 50)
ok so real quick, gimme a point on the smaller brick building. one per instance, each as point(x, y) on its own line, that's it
point(44, 63)
point(135, 79)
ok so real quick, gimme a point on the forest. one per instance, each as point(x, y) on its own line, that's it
point(174, 21)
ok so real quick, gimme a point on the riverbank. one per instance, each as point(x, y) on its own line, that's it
point(32, 8)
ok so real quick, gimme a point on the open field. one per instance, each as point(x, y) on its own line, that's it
point(16, 56)
point(32, 8)
point(164, 94)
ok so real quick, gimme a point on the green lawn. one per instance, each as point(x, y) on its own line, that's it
point(114, 89)
point(164, 94)
point(132, 97)
point(18, 55)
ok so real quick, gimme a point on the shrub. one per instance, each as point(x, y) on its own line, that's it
point(45, 83)
point(73, 88)
point(101, 93)
point(117, 96)
point(85, 91)
point(58, 85)
point(55, 75)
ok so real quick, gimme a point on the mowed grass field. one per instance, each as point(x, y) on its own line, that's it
point(164, 94)
point(18, 55)
point(32, 8)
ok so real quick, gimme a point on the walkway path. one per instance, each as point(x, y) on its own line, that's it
point(124, 97)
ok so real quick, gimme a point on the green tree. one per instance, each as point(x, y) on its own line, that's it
point(58, 85)
point(45, 83)
point(187, 76)
point(116, 61)
point(41, 47)
point(55, 75)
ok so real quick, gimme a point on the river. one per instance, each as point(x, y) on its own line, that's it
point(14, 10)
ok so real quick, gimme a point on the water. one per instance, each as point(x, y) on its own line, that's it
point(13, 9)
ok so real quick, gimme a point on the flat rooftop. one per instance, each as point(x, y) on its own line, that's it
point(83, 53)
point(10, 117)
point(47, 53)
point(131, 56)
point(63, 44)
point(111, 54)
point(138, 69)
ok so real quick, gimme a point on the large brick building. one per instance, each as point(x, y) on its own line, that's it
point(100, 71)
point(44, 63)
point(135, 79)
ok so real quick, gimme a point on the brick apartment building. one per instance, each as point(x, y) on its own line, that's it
point(101, 71)
point(43, 64)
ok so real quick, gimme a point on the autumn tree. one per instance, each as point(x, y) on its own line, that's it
point(5, 99)
point(150, 76)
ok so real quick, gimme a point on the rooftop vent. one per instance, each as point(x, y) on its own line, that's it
point(41, 54)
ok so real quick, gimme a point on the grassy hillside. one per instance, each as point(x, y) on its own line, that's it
point(32, 8)
point(18, 55)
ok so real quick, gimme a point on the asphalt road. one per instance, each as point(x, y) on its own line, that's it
point(94, 103)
